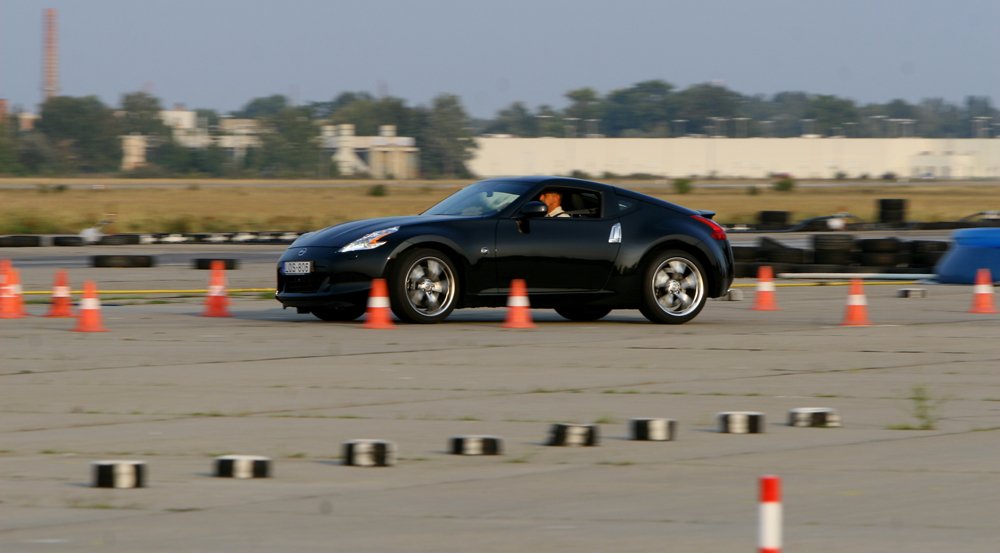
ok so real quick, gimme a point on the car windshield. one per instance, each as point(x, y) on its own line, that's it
point(480, 199)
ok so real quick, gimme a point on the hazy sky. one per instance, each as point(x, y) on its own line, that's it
point(221, 53)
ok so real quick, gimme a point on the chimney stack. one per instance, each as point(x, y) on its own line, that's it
point(50, 87)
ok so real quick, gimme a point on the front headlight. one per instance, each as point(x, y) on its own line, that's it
point(369, 241)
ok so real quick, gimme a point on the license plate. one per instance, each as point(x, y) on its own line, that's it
point(298, 267)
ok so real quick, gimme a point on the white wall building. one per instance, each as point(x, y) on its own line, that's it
point(739, 157)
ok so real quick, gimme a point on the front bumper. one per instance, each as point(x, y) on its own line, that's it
point(337, 279)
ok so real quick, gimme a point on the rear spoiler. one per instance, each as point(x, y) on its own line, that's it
point(706, 213)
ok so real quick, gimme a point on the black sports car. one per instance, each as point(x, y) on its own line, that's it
point(603, 248)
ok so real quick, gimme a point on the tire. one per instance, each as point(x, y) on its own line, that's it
point(745, 253)
point(833, 242)
point(673, 288)
point(205, 263)
point(879, 259)
point(342, 314)
point(583, 313)
point(67, 241)
point(119, 240)
point(880, 245)
point(22, 241)
point(833, 257)
point(423, 286)
point(120, 261)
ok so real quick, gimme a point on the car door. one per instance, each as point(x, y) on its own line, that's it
point(560, 254)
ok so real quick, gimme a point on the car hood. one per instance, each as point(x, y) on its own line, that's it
point(343, 234)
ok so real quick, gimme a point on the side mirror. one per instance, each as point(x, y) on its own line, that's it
point(533, 209)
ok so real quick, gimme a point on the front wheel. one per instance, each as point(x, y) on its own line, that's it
point(673, 288)
point(423, 287)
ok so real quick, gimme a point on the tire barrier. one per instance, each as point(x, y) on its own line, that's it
point(369, 453)
point(892, 211)
point(833, 249)
point(25, 241)
point(476, 445)
point(205, 263)
point(119, 240)
point(122, 261)
point(741, 422)
point(573, 435)
point(653, 430)
point(67, 241)
point(242, 466)
point(814, 417)
point(119, 474)
point(772, 220)
point(911, 293)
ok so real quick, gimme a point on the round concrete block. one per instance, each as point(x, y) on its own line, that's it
point(565, 434)
point(119, 474)
point(653, 430)
point(476, 445)
point(816, 417)
point(369, 453)
point(741, 422)
point(242, 466)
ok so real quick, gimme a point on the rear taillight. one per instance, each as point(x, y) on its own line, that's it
point(718, 233)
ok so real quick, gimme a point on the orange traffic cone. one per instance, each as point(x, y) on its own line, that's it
point(15, 286)
point(378, 307)
point(217, 303)
point(90, 310)
point(982, 293)
point(764, 300)
point(518, 307)
point(857, 306)
point(61, 304)
point(8, 309)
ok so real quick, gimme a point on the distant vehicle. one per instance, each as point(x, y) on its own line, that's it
point(617, 249)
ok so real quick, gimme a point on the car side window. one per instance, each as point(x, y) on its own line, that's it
point(578, 203)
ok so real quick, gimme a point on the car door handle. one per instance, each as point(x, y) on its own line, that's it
point(616, 234)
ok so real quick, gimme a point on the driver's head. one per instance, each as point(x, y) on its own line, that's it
point(551, 199)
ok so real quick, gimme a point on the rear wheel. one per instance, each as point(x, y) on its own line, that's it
point(583, 313)
point(346, 313)
point(423, 286)
point(673, 288)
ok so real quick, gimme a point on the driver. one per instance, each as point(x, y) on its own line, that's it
point(553, 200)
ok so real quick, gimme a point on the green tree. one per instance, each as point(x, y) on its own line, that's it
point(263, 107)
point(8, 149)
point(141, 115)
point(289, 146)
point(643, 109)
point(515, 119)
point(84, 133)
point(702, 104)
point(445, 140)
point(830, 113)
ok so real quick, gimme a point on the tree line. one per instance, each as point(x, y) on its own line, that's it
point(81, 135)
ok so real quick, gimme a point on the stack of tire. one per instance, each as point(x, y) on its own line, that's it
point(892, 212)
point(772, 220)
point(883, 252)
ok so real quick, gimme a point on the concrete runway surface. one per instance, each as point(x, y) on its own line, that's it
point(174, 389)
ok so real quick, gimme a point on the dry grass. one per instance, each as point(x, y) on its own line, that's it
point(44, 206)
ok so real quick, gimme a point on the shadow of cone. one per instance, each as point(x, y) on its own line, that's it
point(982, 293)
point(378, 307)
point(90, 310)
point(765, 300)
point(61, 305)
point(857, 306)
point(217, 303)
point(8, 302)
point(518, 307)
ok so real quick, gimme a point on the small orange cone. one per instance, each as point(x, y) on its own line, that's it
point(857, 306)
point(217, 303)
point(518, 307)
point(90, 310)
point(15, 282)
point(61, 303)
point(8, 300)
point(378, 307)
point(764, 300)
point(982, 293)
